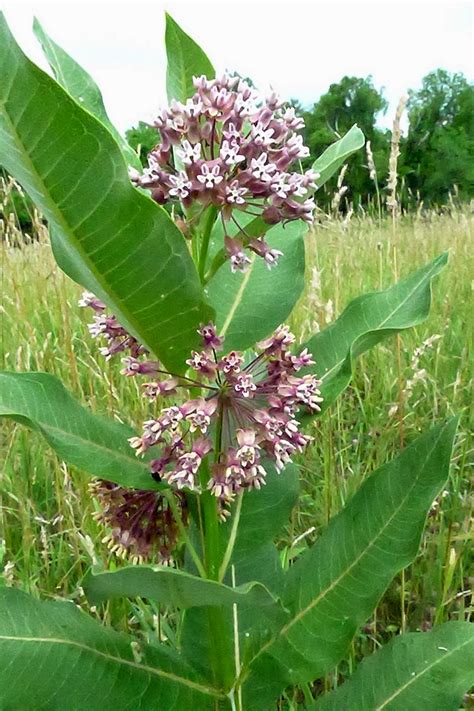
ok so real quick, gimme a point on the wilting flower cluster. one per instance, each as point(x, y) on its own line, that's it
point(230, 148)
point(142, 525)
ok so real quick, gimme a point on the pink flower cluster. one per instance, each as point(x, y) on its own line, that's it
point(230, 148)
point(117, 338)
point(249, 408)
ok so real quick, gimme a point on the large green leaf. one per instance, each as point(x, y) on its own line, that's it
point(92, 443)
point(334, 586)
point(118, 242)
point(82, 88)
point(333, 157)
point(53, 656)
point(263, 515)
point(418, 670)
point(366, 321)
point(169, 586)
point(185, 60)
point(250, 305)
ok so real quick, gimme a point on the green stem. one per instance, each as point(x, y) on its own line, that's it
point(220, 652)
point(206, 235)
point(231, 542)
point(182, 529)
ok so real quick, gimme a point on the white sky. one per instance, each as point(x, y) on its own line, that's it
point(297, 47)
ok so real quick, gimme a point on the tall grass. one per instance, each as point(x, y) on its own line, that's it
point(50, 538)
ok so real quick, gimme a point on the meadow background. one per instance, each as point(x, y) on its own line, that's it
point(49, 538)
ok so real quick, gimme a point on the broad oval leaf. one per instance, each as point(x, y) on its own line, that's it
point(185, 60)
point(53, 656)
point(89, 442)
point(337, 153)
point(119, 243)
point(368, 320)
point(169, 586)
point(77, 82)
point(250, 305)
point(333, 587)
point(419, 670)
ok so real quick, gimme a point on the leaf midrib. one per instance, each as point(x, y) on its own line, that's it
point(154, 671)
point(381, 325)
point(238, 298)
point(412, 680)
point(302, 613)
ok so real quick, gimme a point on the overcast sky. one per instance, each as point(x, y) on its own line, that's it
point(297, 47)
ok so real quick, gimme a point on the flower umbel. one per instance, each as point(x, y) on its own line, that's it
point(244, 411)
point(231, 148)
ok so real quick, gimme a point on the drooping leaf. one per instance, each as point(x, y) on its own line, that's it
point(185, 60)
point(250, 305)
point(118, 242)
point(333, 157)
point(368, 320)
point(53, 656)
point(89, 442)
point(418, 670)
point(333, 587)
point(170, 586)
point(80, 85)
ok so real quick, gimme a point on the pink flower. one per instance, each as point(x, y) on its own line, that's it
point(235, 150)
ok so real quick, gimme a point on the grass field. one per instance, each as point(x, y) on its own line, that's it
point(49, 536)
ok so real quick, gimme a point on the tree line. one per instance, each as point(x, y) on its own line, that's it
point(436, 156)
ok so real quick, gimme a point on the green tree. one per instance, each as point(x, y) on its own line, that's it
point(438, 152)
point(352, 100)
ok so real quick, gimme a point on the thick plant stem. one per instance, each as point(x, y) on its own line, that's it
point(220, 654)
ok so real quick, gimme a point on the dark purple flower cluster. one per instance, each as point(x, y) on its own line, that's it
point(230, 148)
point(142, 525)
point(245, 414)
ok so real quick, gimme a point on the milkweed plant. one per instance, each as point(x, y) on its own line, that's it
point(190, 267)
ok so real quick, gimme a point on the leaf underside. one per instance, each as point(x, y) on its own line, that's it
point(334, 586)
